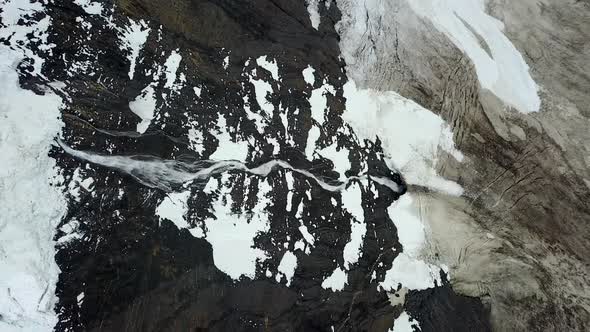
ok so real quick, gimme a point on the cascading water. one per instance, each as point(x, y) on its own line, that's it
point(168, 175)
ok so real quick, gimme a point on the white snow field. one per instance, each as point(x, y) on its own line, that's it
point(30, 206)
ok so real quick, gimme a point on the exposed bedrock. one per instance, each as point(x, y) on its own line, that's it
point(127, 265)
point(224, 172)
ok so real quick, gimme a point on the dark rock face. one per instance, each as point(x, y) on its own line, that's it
point(441, 309)
point(140, 273)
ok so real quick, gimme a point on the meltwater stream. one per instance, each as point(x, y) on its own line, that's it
point(168, 174)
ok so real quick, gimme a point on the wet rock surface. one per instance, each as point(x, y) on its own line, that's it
point(125, 267)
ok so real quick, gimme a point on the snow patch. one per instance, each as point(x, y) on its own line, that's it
point(336, 280)
point(78, 182)
point(306, 235)
point(352, 202)
point(262, 89)
point(352, 250)
point(410, 229)
point(172, 64)
point(12, 12)
point(226, 62)
point(312, 138)
point(504, 72)
point(71, 232)
point(408, 269)
point(270, 65)
point(90, 7)
point(144, 106)
point(319, 102)
point(410, 134)
point(314, 13)
point(232, 236)
point(339, 157)
point(227, 148)
point(197, 91)
point(404, 323)
point(259, 120)
point(288, 265)
point(135, 36)
point(174, 207)
point(300, 245)
point(308, 75)
point(411, 273)
point(31, 206)
point(196, 140)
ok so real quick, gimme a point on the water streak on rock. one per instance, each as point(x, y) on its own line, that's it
point(169, 175)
